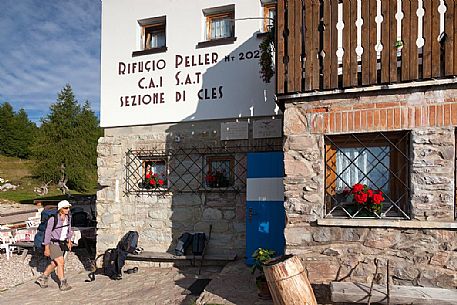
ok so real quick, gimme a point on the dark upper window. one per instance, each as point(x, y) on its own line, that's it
point(153, 36)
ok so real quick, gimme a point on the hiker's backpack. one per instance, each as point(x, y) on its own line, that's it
point(129, 242)
point(198, 243)
point(46, 214)
point(183, 243)
point(111, 264)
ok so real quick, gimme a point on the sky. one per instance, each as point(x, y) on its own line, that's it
point(45, 44)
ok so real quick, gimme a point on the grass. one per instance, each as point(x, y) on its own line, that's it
point(19, 172)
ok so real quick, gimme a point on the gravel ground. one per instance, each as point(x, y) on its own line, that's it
point(26, 266)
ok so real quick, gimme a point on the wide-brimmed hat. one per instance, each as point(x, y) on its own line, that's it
point(63, 204)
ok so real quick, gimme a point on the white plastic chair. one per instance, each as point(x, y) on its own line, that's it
point(6, 241)
point(33, 222)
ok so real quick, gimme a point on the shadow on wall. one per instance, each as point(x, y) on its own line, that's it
point(225, 211)
point(195, 211)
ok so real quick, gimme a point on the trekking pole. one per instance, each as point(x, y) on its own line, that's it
point(204, 249)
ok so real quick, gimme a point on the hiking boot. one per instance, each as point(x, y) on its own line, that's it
point(64, 285)
point(42, 281)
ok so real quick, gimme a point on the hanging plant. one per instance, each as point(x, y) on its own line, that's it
point(267, 69)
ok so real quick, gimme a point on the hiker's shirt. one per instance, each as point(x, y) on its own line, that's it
point(62, 231)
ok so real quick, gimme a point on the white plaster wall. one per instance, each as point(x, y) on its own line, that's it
point(244, 94)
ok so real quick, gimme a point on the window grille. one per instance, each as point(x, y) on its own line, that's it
point(189, 170)
point(380, 161)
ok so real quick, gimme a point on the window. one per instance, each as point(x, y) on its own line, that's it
point(154, 174)
point(269, 15)
point(220, 26)
point(379, 161)
point(220, 171)
point(153, 36)
point(220, 22)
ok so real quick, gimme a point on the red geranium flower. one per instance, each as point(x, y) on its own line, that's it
point(357, 188)
point(152, 182)
point(161, 182)
point(361, 198)
point(148, 175)
point(377, 198)
point(369, 199)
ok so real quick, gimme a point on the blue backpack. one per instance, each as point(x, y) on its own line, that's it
point(45, 216)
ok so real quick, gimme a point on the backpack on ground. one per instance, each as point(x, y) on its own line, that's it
point(114, 259)
point(111, 266)
point(198, 243)
point(129, 242)
point(183, 243)
point(46, 214)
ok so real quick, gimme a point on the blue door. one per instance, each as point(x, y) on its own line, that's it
point(265, 215)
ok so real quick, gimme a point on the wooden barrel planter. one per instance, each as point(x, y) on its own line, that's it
point(288, 282)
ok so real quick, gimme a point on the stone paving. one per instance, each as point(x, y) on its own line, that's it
point(161, 286)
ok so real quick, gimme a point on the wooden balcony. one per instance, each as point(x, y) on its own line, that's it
point(333, 45)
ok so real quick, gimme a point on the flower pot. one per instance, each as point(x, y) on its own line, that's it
point(262, 288)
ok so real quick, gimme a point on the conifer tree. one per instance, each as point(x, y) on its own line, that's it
point(66, 147)
point(6, 118)
point(16, 132)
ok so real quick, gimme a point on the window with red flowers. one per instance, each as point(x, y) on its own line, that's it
point(367, 175)
point(219, 171)
point(154, 175)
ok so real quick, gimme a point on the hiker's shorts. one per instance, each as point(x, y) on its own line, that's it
point(55, 251)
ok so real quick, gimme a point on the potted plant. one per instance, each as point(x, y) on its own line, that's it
point(217, 179)
point(260, 257)
point(153, 180)
point(365, 201)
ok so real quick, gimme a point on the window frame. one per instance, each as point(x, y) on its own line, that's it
point(231, 178)
point(154, 28)
point(267, 7)
point(209, 14)
point(155, 160)
point(398, 185)
point(222, 16)
point(154, 22)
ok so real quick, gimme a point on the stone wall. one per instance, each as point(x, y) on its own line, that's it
point(421, 251)
point(432, 173)
point(161, 218)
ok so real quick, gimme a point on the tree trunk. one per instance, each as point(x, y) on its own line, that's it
point(288, 282)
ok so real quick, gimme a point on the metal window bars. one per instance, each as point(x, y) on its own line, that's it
point(391, 146)
point(188, 168)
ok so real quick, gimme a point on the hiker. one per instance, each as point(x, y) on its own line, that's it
point(56, 243)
